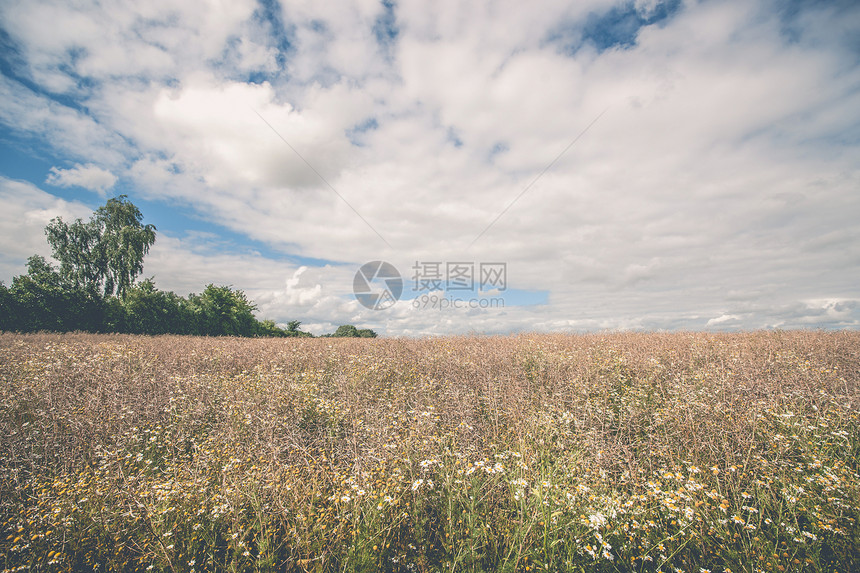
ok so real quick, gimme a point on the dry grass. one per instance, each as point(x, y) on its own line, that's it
point(623, 452)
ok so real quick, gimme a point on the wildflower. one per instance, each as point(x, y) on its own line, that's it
point(596, 520)
point(738, 520)
point(417, 483)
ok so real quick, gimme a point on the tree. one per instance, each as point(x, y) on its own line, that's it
point(75, 246)
point(221, 311)
point(125, 242)
point(106, 253)
point(8, 309)
point(41, 299)
point(44, 301)
point(346, 331)
point(268, 328)
point(148, 310)
point(349, 331)
point(102, 258)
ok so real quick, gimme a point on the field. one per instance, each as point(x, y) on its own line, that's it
point(621, 452)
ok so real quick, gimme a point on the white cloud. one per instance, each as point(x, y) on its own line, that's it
point(723, 318)
point(88, 176)
point(298, 294)
point(70, 132)
point(720, 182)
point(25, 213)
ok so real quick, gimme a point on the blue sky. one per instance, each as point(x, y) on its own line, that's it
point(645, 165)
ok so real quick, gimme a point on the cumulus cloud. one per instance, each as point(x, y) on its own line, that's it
point(25, 213)
point(299, 294)
point(87, 176)
point(716, 190)
point(723, 318)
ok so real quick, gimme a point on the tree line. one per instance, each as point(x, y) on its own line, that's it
point(94, 287)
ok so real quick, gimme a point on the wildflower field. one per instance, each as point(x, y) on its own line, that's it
point(621, 452)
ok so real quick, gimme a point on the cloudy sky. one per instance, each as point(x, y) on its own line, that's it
point(641, 165)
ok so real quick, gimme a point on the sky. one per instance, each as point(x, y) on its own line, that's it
point(521, 166)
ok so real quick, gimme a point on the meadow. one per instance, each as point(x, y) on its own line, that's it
point(684, 452)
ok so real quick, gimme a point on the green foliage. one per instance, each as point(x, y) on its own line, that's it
point(270, 329)
point(147, 310)
point(106, 253)
point(346, 330)
point(8, 308)
point(44, 301)
point(350, 331)
point(124, 242)
point(220, 310)
point(76, 247)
